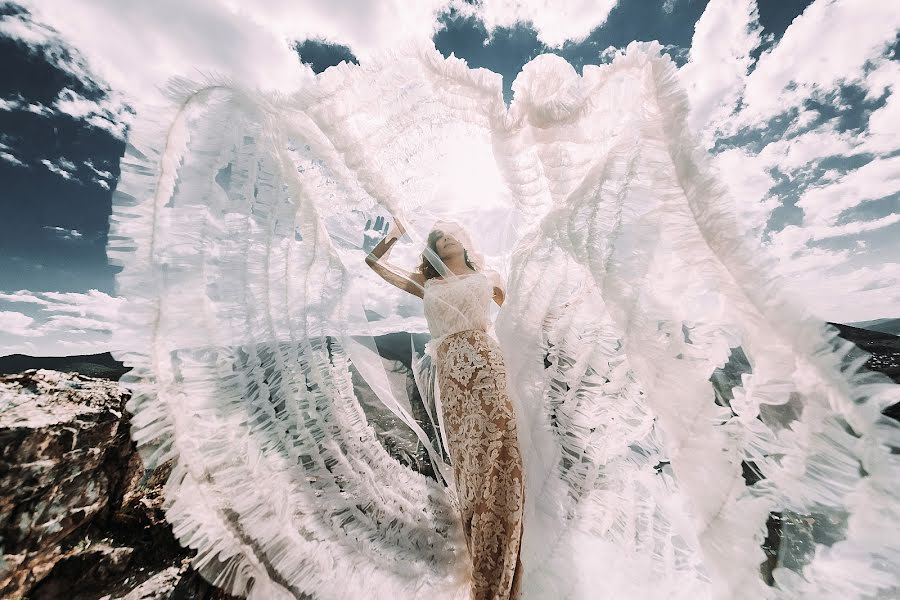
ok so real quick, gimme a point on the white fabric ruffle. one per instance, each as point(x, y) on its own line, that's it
point(654, 361)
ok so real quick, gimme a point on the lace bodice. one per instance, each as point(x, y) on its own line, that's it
point(458, 304)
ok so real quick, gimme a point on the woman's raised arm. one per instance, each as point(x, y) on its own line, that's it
point(414, 283)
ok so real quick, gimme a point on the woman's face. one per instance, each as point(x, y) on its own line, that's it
point(447, 246)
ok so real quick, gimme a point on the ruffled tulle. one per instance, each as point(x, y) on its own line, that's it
point(674, 409)
point(799, 432)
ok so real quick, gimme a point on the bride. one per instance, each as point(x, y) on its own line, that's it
point(682, 428)
point(477, 412)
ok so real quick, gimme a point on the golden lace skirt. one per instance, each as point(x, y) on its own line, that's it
point(482, 440)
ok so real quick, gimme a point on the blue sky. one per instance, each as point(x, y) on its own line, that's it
point(795, 98)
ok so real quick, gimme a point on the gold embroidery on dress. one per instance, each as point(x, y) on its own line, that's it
point(483, 445)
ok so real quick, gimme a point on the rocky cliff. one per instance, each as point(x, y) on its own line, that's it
point(80, 518)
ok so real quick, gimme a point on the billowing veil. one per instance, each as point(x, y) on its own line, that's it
point(686, 432)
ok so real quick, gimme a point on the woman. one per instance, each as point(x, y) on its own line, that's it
point(477, 412)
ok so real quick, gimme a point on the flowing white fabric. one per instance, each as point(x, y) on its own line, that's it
point(674, 409)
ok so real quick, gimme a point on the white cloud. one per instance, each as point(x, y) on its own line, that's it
point(607, 55)
point(884, 77)
point(791, 154)
point(837, 285)
point(8, 156)
point(827, 45)
point(65, 234)
point(875, 180)
point(365, 27)
point(882, 135)
point(83, 346)
point(10, 105)
point(825, 288)
point(749, 178)
point(71, 324)
point(832, 44)
point(715, 75)
point(854, 228)
point(16, 323)
point(97, 172)
point(368, 27)
point(803, 121)
point(19, 103)
point(135, 47)
point(107, 113)
point(103, 177)
point(60, 168)
point(92, 303)
point(555, 22)
point(67, 322)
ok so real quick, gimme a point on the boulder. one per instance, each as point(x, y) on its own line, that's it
point(80, 517)
point(62, 442)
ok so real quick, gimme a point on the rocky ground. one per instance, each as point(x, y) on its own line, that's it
point(81, 519)
point(883, 348)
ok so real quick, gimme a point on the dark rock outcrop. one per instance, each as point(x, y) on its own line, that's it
point(62, 439)
point(80, 518)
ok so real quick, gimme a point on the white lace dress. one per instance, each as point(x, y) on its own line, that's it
point(480, 428)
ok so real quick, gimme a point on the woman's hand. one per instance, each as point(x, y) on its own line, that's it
point(395, 232)
point(414, 283)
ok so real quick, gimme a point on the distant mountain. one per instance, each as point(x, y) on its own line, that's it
point(891, 326)
point(884, 348)
point(103, 366)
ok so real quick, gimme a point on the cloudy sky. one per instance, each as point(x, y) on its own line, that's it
point(795, 98)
